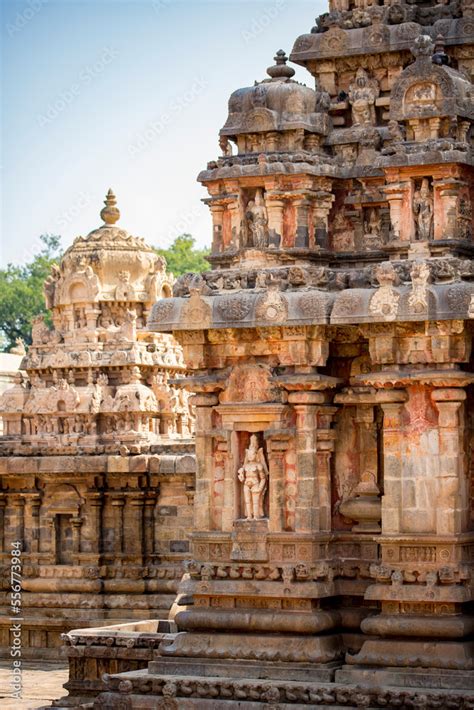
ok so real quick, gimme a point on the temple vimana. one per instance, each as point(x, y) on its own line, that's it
point(254, 487)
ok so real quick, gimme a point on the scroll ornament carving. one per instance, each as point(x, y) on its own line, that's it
point(162, 310)
point(272, 307)
point(313, 304)
point(234, 307)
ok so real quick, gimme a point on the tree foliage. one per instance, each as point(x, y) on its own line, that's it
point(182, 256)
point(21, 292)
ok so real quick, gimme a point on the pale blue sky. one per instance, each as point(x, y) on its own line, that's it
point(129, 95)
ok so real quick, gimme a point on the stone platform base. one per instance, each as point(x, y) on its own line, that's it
point(212, 668)
point(407, 678)
point(142, 690)
point(42, 636)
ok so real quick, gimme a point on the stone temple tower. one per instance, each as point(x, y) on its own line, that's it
point(329, 352)
point(97, 444)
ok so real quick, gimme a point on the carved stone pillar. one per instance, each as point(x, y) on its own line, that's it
point(275, 207)
point(3, 505)
point(446, 196)
point(217, 212)
point(314, 447)
point(202, 502)
point(235, 223)
point(95, 500)
point(118, 502)
point(452, 509)
point(33, 503)
point(18, 512)
point(53, 539)
point(76, 535)
point(393, 463)
point(321, 208)
point(276, 449)
point(325, 437)
point(149, 524)
point(399, 198)
point(302, 206)
point(135, 503)
point(307, 507)
point(92, 315)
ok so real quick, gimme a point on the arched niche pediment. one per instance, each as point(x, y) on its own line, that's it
point(82, 287)
point(428, 91)
point(62, 499)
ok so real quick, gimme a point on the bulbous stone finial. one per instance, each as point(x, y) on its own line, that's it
point(423, 47)
point(110, 213)
point(280, 70)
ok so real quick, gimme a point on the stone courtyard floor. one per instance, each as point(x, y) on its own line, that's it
point(42, 683)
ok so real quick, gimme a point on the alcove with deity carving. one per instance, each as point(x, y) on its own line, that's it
point(253, 478)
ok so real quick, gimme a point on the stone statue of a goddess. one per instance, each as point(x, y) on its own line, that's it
point(254, 477)
point(423, 209)
point(258, 221)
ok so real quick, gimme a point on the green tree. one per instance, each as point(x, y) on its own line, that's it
point(182, 256)
point(21, 292)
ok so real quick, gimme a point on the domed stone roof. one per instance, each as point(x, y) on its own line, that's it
point(110, 263)
point(275, 104)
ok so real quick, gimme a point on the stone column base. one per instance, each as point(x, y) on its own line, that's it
point(432, 655)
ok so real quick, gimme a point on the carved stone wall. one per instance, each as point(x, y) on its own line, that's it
point(96, 457)
point(330, 357)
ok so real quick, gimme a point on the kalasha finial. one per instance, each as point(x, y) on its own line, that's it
point(110, 213)
point(440, 57)
point(423, 47)
point(280, 70)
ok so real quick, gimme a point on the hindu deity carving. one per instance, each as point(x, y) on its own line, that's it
point(420, 276)
point(124, 290)
point(254, 478)
point(363, 93)
point(373, 228)
point(257, 220)
point(384, 303)
point(423, 209)
point(225, 145)
point(50, 285)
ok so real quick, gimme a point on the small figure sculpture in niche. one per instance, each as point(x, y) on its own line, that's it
point(423, 210)
point(225, 146)
point(373, 228)
point(254, 477)
point(363, 93)
point(257, 221)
